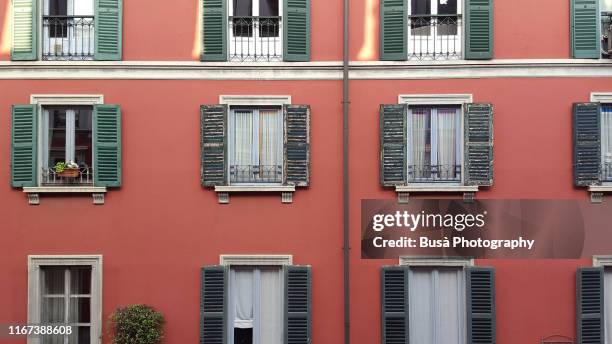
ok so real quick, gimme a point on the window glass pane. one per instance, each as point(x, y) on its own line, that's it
point(57, 136)
point(83, 8)
point(53, 310)
point(53, 280)
point(421, 142)
point(52, 339)
point(58, 7)
point(270, 143)
point(447, 143)
point(268, 8)
point(420, 7)
point(243, 8)
point(79, 310)
point(83, 137)
point(80, 280)
point(242, 286)
point(606, 5)
point(447, 6)
point(421, 313)
point(271, 305)
point(606, 141)
point(243, 335)
point(450, 307)
point(80, 335)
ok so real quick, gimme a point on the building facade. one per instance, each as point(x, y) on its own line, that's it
point(189, 156)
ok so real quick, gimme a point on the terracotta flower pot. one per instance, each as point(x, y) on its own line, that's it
point(69, 173)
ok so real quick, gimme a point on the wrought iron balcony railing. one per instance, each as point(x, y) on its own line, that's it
point(254, 39)
point(68, 38)
point(434, 173)
point(606, 172)
point(434, 37)
point(256, 174)
point(84, 177)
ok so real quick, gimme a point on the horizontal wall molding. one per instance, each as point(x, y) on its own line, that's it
point(332, 70)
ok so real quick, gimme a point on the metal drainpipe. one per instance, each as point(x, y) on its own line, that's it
point(345, 170)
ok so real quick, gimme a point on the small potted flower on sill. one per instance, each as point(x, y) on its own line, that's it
point(136, 324)
point(67, 170)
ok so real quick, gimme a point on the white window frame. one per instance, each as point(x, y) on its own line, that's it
point(255, 261)
point(36, 262)
point(462, 263)
point(439, 100)
point(603, 262)
point(434, 11)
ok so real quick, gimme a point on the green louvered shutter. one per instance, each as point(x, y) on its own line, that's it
point(590, 305)
point(108, 30)
point(393, 30)
point(107, 145)
point(214, 30)
point(23, 146)
point(298, 305)
point(25, 29)
point(479, 29)
point(393, 144)
point(297, 145)
point(213, 143)
point(587, 144)
point(296, 33)
point(585, 29)
point(481, 305)
point(213, 304)
point(478, 140)
point(394, 301)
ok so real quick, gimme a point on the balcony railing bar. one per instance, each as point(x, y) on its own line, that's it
point(434, 173)
point(256, 174)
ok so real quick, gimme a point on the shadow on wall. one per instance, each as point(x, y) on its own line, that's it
point(5, 34)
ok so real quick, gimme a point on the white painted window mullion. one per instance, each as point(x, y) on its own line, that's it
point(256, 138)
point(66, 300)
point(70, 135)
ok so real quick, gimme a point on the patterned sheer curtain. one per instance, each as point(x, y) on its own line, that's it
point(243, 138)
point(437, 305)
point(606, 142)
point(420, 132)
point(447, 138)
point(270, 144)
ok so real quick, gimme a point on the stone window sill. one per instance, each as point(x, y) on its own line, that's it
point(404, 191)
point(34, 192)
point(224, 191)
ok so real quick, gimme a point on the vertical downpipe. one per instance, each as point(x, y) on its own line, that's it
point(345, 170)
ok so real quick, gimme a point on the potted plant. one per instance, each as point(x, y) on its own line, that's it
point(136, 324)
point(67, 170)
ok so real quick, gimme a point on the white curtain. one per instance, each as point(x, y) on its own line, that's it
point(243, 138)
point(256, 301)
point(270, 142)
point(608, 305)
point(606, 140)
point(447, 137)
point(421, 125)
point(437, 306)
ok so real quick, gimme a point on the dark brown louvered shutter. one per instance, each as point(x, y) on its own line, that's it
point(393, 144)
point(213, 310)
point(478, 140)
point(297, 145)
point(589, 305)
point(394, 289)
point(298, 305)
point(213, 142)
point(481, 305)
point(587, 144)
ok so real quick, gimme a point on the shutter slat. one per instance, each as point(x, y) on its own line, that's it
point(393, 26)
point(213, 284)
point(585, 29)
point(25, 19)
point(393, 144)
point(478, 141)
point(394, 301)
point(589, 308)
point(297, 305)
point(23, 145)
point(296, 33)
point(297, 145)
point(481, 305)
point(587, 144)
point(213, 142)
point(107, 145)
point(479, 30)
point(214, 30)
point(108, 30)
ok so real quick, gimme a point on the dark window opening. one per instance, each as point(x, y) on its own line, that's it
point(243, 336)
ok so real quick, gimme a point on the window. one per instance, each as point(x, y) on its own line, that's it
point(68, 30)
point(255, 305)
point(255, 30)
point(66, 291)
point(67, 139)
point(437, 305)
point(435, 30)
point(434, 144)
point(606, 28)
point(606, 142)
point(256, 145)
